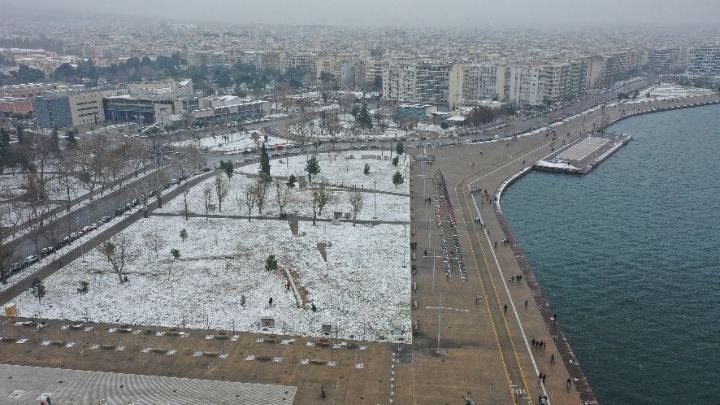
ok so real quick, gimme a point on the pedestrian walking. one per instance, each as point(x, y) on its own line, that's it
point(552, 358)
point(477, 299)
point(568, 383)
point(526, 304)
point(506, 308)
point(323, 395)
point(270, 302)
point(554, 318)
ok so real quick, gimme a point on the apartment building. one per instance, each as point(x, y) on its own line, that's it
point(418, 82)
point(704, 61)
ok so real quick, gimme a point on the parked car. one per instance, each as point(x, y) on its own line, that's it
point(87, 229)
point(46, 250)
point(106, 219)
point(31, 259)
point(15, 268)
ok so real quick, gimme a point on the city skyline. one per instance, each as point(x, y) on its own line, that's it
point(461, 14)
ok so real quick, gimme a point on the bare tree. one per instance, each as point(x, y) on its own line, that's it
point(135, 154)
point(250, 199)
point(259, 190)
point(301, 130)
point(43, 150)
point(118, 251)
point(356, 202)
point(282, 195)
point(154, 241)
point(321, 195)
point(67, 176)
point(5, 250)
point(207, 198)
point(157, 182)
point(332, 126)
point(187, 160)
point(185, 202)
point(222, 188)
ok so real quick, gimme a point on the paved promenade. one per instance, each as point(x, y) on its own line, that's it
point(487, 353)
point(485, 349)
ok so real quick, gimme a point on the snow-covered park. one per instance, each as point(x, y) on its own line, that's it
point(234, 142)
point(220, 280)
point(668, 91)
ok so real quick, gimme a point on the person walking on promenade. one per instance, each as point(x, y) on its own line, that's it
point(323, 395)
point(552, 358)
point(526, 304)
point(506, 308)
point(568, 383)
point(477, 299)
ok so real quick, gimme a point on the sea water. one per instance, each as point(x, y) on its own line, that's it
point(629, 258)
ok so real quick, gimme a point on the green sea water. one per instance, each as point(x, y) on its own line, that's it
point(629, 258)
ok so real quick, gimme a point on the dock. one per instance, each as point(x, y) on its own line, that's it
point(583, 155)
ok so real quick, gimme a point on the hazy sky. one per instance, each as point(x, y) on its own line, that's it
point(465, 13)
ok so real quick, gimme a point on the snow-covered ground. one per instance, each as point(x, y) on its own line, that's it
point(666, 91)
point(233, 142)
point(362, 289)
point(344, 168)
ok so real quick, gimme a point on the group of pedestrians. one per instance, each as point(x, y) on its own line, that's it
point(538, 344)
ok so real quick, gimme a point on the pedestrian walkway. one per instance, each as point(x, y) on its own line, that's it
point(26, 385)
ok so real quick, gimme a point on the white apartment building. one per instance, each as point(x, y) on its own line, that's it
point(705, 61)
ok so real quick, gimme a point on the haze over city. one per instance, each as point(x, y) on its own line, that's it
point(299, 202)
point(411, 13)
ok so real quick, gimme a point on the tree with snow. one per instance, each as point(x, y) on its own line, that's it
point(38, 290)
point(356, 202)
point(222, 188)
point(228, 168)
point(175, 255)
point(397, 178)
point(118, 251)
point(84, 288)
point(399, 148)
point(395, 161)
point(291, 181)
point(312, 167)
point(264, 161)
point(271, 264)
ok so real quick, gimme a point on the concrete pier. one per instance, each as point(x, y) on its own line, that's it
point(583, 155)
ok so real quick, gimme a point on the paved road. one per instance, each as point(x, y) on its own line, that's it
point(26, 385)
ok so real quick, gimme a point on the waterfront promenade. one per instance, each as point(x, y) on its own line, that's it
point(491, 345)
point(485, 351)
